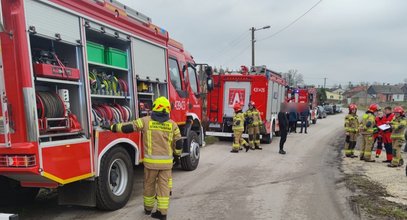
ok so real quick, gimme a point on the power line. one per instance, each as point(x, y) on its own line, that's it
point(232, 44)
point(292, 23)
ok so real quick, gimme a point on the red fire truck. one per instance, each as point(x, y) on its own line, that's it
point(70, 67)
point(261, 85)
point(304, 97)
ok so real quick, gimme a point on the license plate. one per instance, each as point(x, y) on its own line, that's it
point(214, 125)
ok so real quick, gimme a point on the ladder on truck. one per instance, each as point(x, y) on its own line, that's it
point(4, 120)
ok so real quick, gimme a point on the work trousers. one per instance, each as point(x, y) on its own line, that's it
point(366, 148)
point(397, 144)
point(157, 187)
point(254, 136)
point(350, 144)
point(304, 124)
point(238, 140)
point(283, 138)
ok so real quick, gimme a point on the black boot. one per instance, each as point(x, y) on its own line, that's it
point(247, 147)
point(234, 151)
point(158, 215)
point(282, 151)
point(147, 212)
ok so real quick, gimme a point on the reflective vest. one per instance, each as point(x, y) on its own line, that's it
point(367, 124)
point(254, 115)
point(238, 122)
point(351, 123)
point(398, 126)
point(159, 142)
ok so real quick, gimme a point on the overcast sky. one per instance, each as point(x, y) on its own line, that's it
point(343, 40)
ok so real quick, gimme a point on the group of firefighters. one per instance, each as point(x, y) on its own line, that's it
point(386, 127)
point(162, 135)
point(253, 121)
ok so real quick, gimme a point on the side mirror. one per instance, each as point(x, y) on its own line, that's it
point(209, 83)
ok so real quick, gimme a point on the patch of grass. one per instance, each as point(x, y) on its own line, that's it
point(371, 200)
point(211, 140)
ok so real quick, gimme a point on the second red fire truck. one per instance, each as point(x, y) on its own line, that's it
point(260, 84)
point(71, 66)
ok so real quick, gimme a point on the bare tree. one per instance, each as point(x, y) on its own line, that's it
point(293, 78)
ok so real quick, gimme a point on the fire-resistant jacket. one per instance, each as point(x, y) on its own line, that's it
point(238, 122)
point(254, 116)
point(399, 127)
point(351, 123)
point(158, 139)
point(367, 124)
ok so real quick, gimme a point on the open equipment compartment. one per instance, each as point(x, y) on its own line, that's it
point(110, 78)
point(59, 88)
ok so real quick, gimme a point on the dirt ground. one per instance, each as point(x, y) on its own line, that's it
point(380, 192)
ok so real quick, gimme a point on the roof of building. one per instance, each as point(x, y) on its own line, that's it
point(385, 89)
point(362, 94)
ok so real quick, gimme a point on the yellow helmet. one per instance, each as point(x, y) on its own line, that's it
point(161, 104)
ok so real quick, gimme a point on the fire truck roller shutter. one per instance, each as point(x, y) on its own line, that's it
point(150, 61)
point(66, 25)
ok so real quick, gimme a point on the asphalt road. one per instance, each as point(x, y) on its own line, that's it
point(304, 184)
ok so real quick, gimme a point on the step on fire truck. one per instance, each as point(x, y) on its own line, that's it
point(304, 97)
point(71, 66)
point(261, 85)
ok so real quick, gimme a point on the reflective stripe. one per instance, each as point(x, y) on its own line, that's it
point(170, 183)
point(236, 145)
point(170, 144)
point(177, 131)
point(149, 143)
point(158, 161)
point(139, 123)
point(163, 202)
point(149, 201)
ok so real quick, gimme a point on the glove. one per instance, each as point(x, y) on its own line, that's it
point(237, 123)
point(347, 139)
point(179, 144)
point(369, 124)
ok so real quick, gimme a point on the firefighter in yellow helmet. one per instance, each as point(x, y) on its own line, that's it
point(367, 129)
point(351, 130)
point(253, 120)
point(160, 136)
point(238, 129)
point(398, 126)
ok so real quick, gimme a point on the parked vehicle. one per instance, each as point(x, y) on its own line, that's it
point(321, 112)
point(70, 67)
point(261, 85)
point(329, 109)
point(304, 96)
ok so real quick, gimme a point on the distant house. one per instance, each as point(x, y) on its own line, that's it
point(339, 91)
point(351, 92)
point(404, 89)
point(386, 93)
point(333, 98)
point(361, 98)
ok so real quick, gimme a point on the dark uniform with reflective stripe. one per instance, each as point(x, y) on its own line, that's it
point(159, 146)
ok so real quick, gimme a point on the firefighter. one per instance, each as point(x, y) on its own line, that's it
point(238, 128)
point(351, 129)
point(386, 134)
point(398, 126)
point(253, 120)
point(366, 127)
point(160, 141)
point(378, 134)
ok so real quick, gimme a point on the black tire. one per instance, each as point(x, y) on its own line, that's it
point(12, 193)
point(115, 161)
point(191, 161)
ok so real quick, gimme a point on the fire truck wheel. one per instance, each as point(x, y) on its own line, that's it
point(191, 161)
point(12, 193)
point(115, 182)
